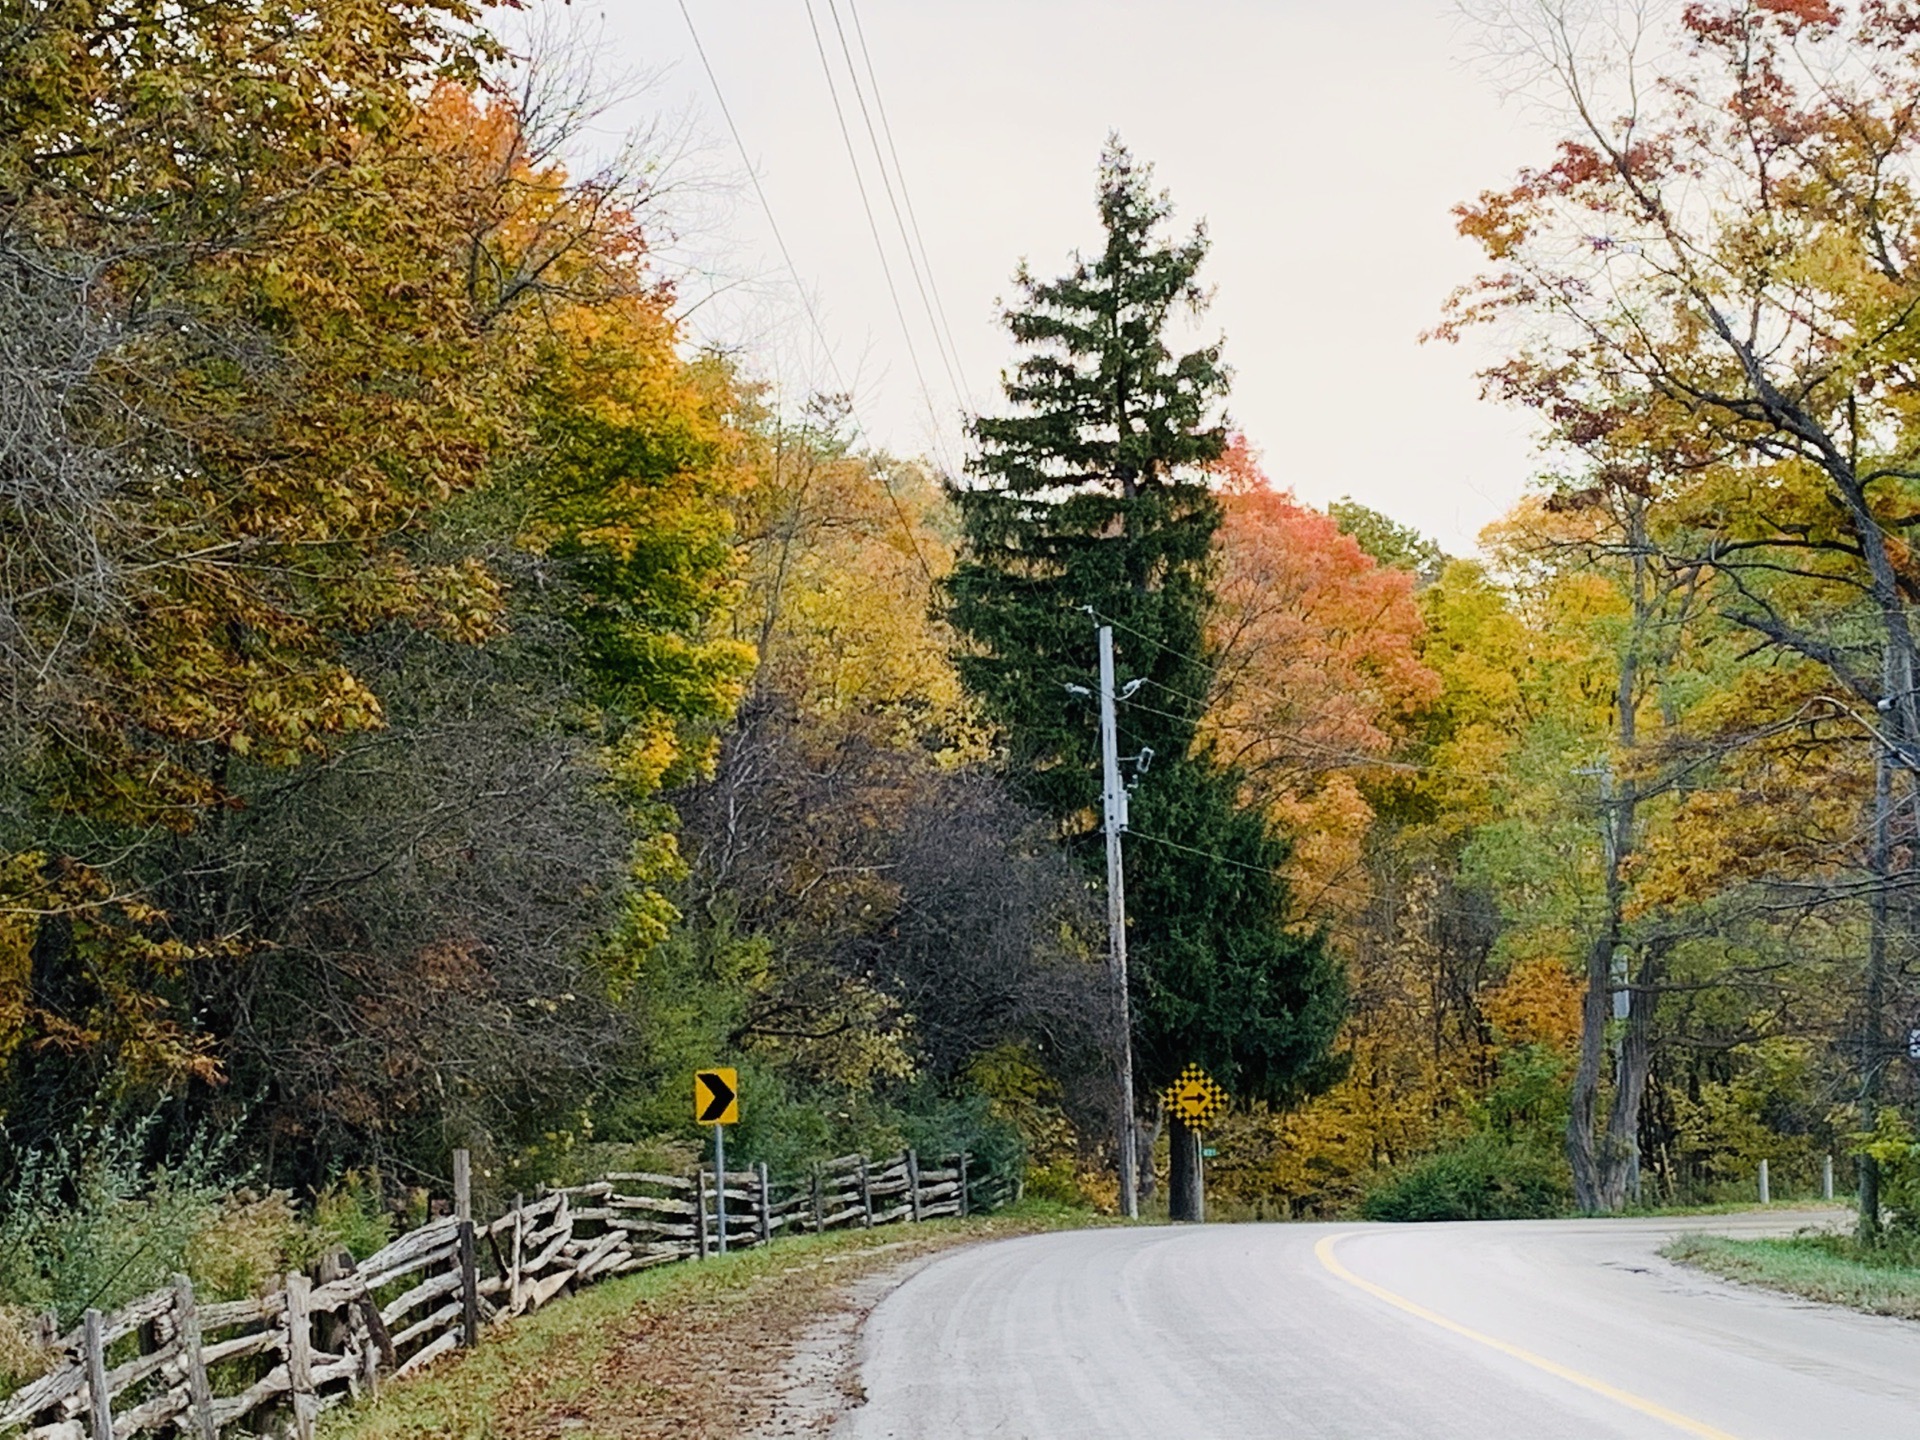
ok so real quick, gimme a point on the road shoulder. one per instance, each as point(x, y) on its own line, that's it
point(759, 1344)
point(1813, 1265)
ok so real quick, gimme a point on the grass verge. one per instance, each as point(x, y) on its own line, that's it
point(1819, 1266)
point(685, 1351)
point(1737, 1207)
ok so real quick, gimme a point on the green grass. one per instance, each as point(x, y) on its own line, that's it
point(1736, 1207)
point(681, 1350)
point(1819, 1266)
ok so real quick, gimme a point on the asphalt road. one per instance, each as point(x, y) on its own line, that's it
point(1520, 1331)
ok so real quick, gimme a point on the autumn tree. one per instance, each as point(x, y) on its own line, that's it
point(347, 355)
point(875, 923)
point(1723, 263)
point(1318, 676)
point(1090, 504)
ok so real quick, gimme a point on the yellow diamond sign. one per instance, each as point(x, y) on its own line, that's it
point(1195, 1098)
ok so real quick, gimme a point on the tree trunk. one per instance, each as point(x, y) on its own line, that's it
point(1186, 1198)
point(1873, 1043)
point(1584, 1101)
point(1619, 1169)
point(1606, 1163)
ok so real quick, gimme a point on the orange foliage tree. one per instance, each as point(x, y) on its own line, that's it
point(1318, 679)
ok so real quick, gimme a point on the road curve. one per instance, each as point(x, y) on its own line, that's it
point(1519, 1331)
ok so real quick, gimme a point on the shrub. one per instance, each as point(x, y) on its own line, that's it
point(22, 1358)
point(1891, 1142)
point(83, 1223)
point(245, 1245)
point(1480, 1178)
point(352, 1212)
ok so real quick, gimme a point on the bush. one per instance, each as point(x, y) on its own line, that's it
point(352, 1212)
point(1891, 1142)
point(21, 1356)
point(83, 1223)
point(1481, 1178)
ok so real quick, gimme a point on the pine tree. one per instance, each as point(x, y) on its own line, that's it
point(1089, 505)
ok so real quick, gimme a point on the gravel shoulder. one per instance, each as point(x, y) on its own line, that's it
point(759, 1344)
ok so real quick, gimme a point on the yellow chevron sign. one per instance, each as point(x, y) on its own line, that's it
point(716, 1096)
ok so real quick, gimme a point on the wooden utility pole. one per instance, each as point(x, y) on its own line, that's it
point(1113, 808)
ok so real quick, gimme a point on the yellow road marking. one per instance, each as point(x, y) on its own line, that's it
point(1324, 1252)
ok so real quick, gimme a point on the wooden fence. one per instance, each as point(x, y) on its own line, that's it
point(167, 1361)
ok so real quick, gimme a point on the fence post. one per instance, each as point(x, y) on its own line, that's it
point(186, 1325)
point(766, 1205)
point(1765, 1197)
point(960, 1161)
point(1826, 1178)
point(519, 1250)
point(462, 1185)
point(99, 1405)
point(700, 1214)
point(469, 1268)
point(380, 1349)
point(866, 1194)
point(334, 1328)
point(300, 1354)
point(913, 1184)
point(819, 1201)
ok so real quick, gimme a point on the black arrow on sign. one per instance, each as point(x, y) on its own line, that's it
point(722, 1097)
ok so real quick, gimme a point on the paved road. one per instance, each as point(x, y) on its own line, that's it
point(1522, 1331)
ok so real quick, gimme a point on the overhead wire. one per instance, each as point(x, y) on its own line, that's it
point(1354, 758)
point(873, 229)
point(1292, 882)
point(936, 308)
point(806, 300)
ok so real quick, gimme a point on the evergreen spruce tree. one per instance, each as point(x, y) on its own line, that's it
point(1089, 505)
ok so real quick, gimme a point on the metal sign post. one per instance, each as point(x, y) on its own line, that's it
point(716, 1102)
point(720, 1183)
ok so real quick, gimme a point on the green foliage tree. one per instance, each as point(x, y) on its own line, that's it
point(1091, 505)
point(1390, 543)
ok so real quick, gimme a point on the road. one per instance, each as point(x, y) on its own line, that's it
point(1518, 1331)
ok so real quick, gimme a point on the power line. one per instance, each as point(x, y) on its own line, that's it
point(936, 310)
point(1349, 757)
point(873, 229)
point(1336, 758)
point(806, 300)
point(1291, 881)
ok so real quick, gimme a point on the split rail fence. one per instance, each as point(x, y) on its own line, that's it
point(169, 1362)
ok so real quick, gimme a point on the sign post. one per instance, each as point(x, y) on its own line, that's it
point(716, 1102)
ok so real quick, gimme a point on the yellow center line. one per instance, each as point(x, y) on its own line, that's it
point(1324, 1252)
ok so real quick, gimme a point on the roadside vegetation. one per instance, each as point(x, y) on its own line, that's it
point(1873, 1268)
point(1880, 1278)
point(441, 706)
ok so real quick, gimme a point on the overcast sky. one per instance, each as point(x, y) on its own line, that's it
point(1323, 142)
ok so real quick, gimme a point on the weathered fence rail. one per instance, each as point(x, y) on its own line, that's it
point(169, 1362)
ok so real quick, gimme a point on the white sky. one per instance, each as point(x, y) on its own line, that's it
point(1324, 141)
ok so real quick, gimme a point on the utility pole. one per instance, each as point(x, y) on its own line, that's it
point(1113, 806)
